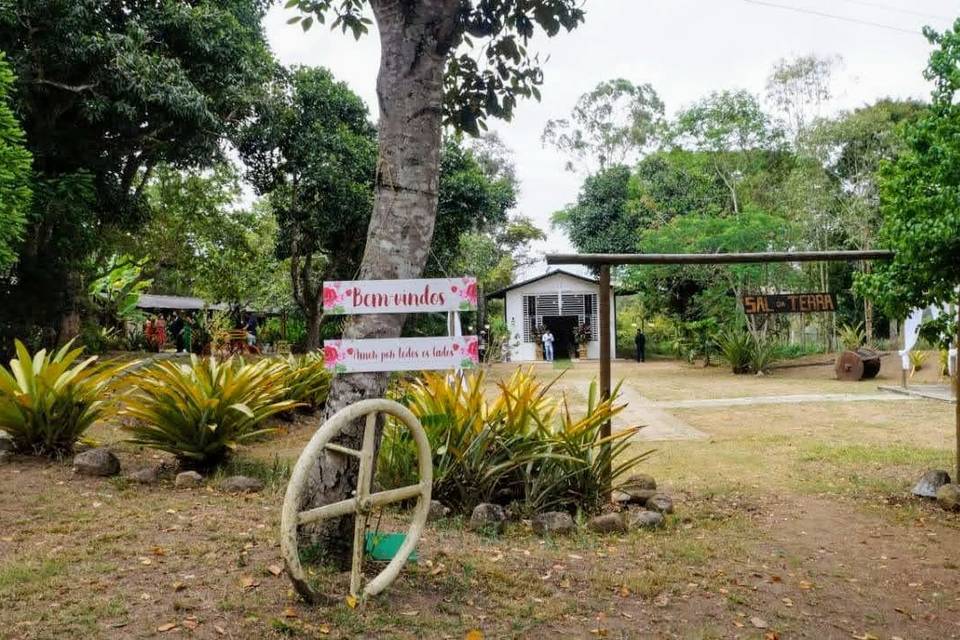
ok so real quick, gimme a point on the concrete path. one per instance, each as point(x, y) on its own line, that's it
point(659, 425)
point(788, 399)
point(942, 392)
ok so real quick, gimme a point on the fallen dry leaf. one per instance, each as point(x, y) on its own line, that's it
point(220, 630)
point(771, 635)
point(170, 626)
point(351, 602)
point(191, 622)
point(474, 634)
point(275, 569)
point(738, 624)
point(290, 612)
point(249, 582)
point(759, 623)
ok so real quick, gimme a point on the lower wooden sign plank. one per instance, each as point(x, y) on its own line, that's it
point(401, 354)
point(789, 303)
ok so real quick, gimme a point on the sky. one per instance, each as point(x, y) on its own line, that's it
point(684, 48)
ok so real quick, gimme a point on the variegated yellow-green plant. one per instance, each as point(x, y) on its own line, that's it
point(48, 400)
point(516, 444)
point(202, 411)
point(307, 379)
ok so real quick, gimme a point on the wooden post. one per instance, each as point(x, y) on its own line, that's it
point(604, 309)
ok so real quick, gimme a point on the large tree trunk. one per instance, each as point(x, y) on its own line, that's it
point(415, 37)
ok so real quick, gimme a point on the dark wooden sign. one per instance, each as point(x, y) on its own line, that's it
point(789, 303)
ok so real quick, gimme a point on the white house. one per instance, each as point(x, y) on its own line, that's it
point(561, 301)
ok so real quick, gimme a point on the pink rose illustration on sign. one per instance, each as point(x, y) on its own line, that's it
point(468, 294)
point(330, 297)
point(473, 350)
point(471, 293)
point(330, 355)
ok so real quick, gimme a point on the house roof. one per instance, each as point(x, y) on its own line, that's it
point(180, 303)
point(502, 293)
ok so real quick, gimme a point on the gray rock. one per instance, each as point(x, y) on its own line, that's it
point(608, 523)
point(639, 481)
point(631, 495)
point(948, 497)
point(146, 475)
point(437, 511)
point(6, 441)
point(645, 519)
point(931, 481)
point(241, 484)
point(487, 516)
point(660, 502)
point(555, 523)
point(96, 462)
point(188, 480)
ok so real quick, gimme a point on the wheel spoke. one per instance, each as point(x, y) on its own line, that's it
point(394, 495)
point(330, 446)
point(359, 547)
point(332, 510)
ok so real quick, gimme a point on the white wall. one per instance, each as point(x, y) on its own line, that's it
point(558, 283)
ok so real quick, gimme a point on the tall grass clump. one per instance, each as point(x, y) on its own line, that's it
point(735, 346)
point(519, 446)
point(48, 400)
point(203, 411)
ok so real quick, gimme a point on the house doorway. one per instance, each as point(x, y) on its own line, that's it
point(562, 328)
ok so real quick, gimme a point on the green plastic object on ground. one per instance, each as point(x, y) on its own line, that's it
point(384, 546)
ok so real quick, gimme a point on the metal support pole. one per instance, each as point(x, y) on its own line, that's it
point(604, 308)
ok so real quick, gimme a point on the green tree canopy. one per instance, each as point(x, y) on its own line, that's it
point(919, 196)
point(610, 125)
point(107, 91)
point(15, 192)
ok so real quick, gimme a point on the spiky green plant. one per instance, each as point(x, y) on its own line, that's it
point(48, 400)
point(579, 465)
point(202, 411)
point(735, 346)
point(519, 446)
point(307, 380)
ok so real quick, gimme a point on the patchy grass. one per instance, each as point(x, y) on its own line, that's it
point(794, 515)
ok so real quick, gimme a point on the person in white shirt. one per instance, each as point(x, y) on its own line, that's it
point(547, 345)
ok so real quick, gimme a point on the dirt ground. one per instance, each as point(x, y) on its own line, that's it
point(792, 521)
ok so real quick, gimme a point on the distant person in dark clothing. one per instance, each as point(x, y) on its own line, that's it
point(176, 328)
point(641, 341)
point(251, 328)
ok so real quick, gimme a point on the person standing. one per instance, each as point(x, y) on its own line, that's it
point(641, 342)
point(160, 330)
point(176, 328)
point(251, 328)
point(547, 345)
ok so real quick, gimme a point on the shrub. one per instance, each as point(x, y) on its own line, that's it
point(48, 401)
point(917, 360)
point(579, 464)
point(307, 380)
point(202, 411)
point(762, 354)
point(736, 347)
point(517, 447)
point(852, 337)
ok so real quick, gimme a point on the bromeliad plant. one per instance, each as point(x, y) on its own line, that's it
point(307, 380)
point(202, 411)
point(520, 446)
point(48, 400)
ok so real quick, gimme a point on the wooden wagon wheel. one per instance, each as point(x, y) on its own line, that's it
point(363, 502)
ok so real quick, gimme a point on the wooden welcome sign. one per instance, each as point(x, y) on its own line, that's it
point(400, 296)
point(789, 303)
